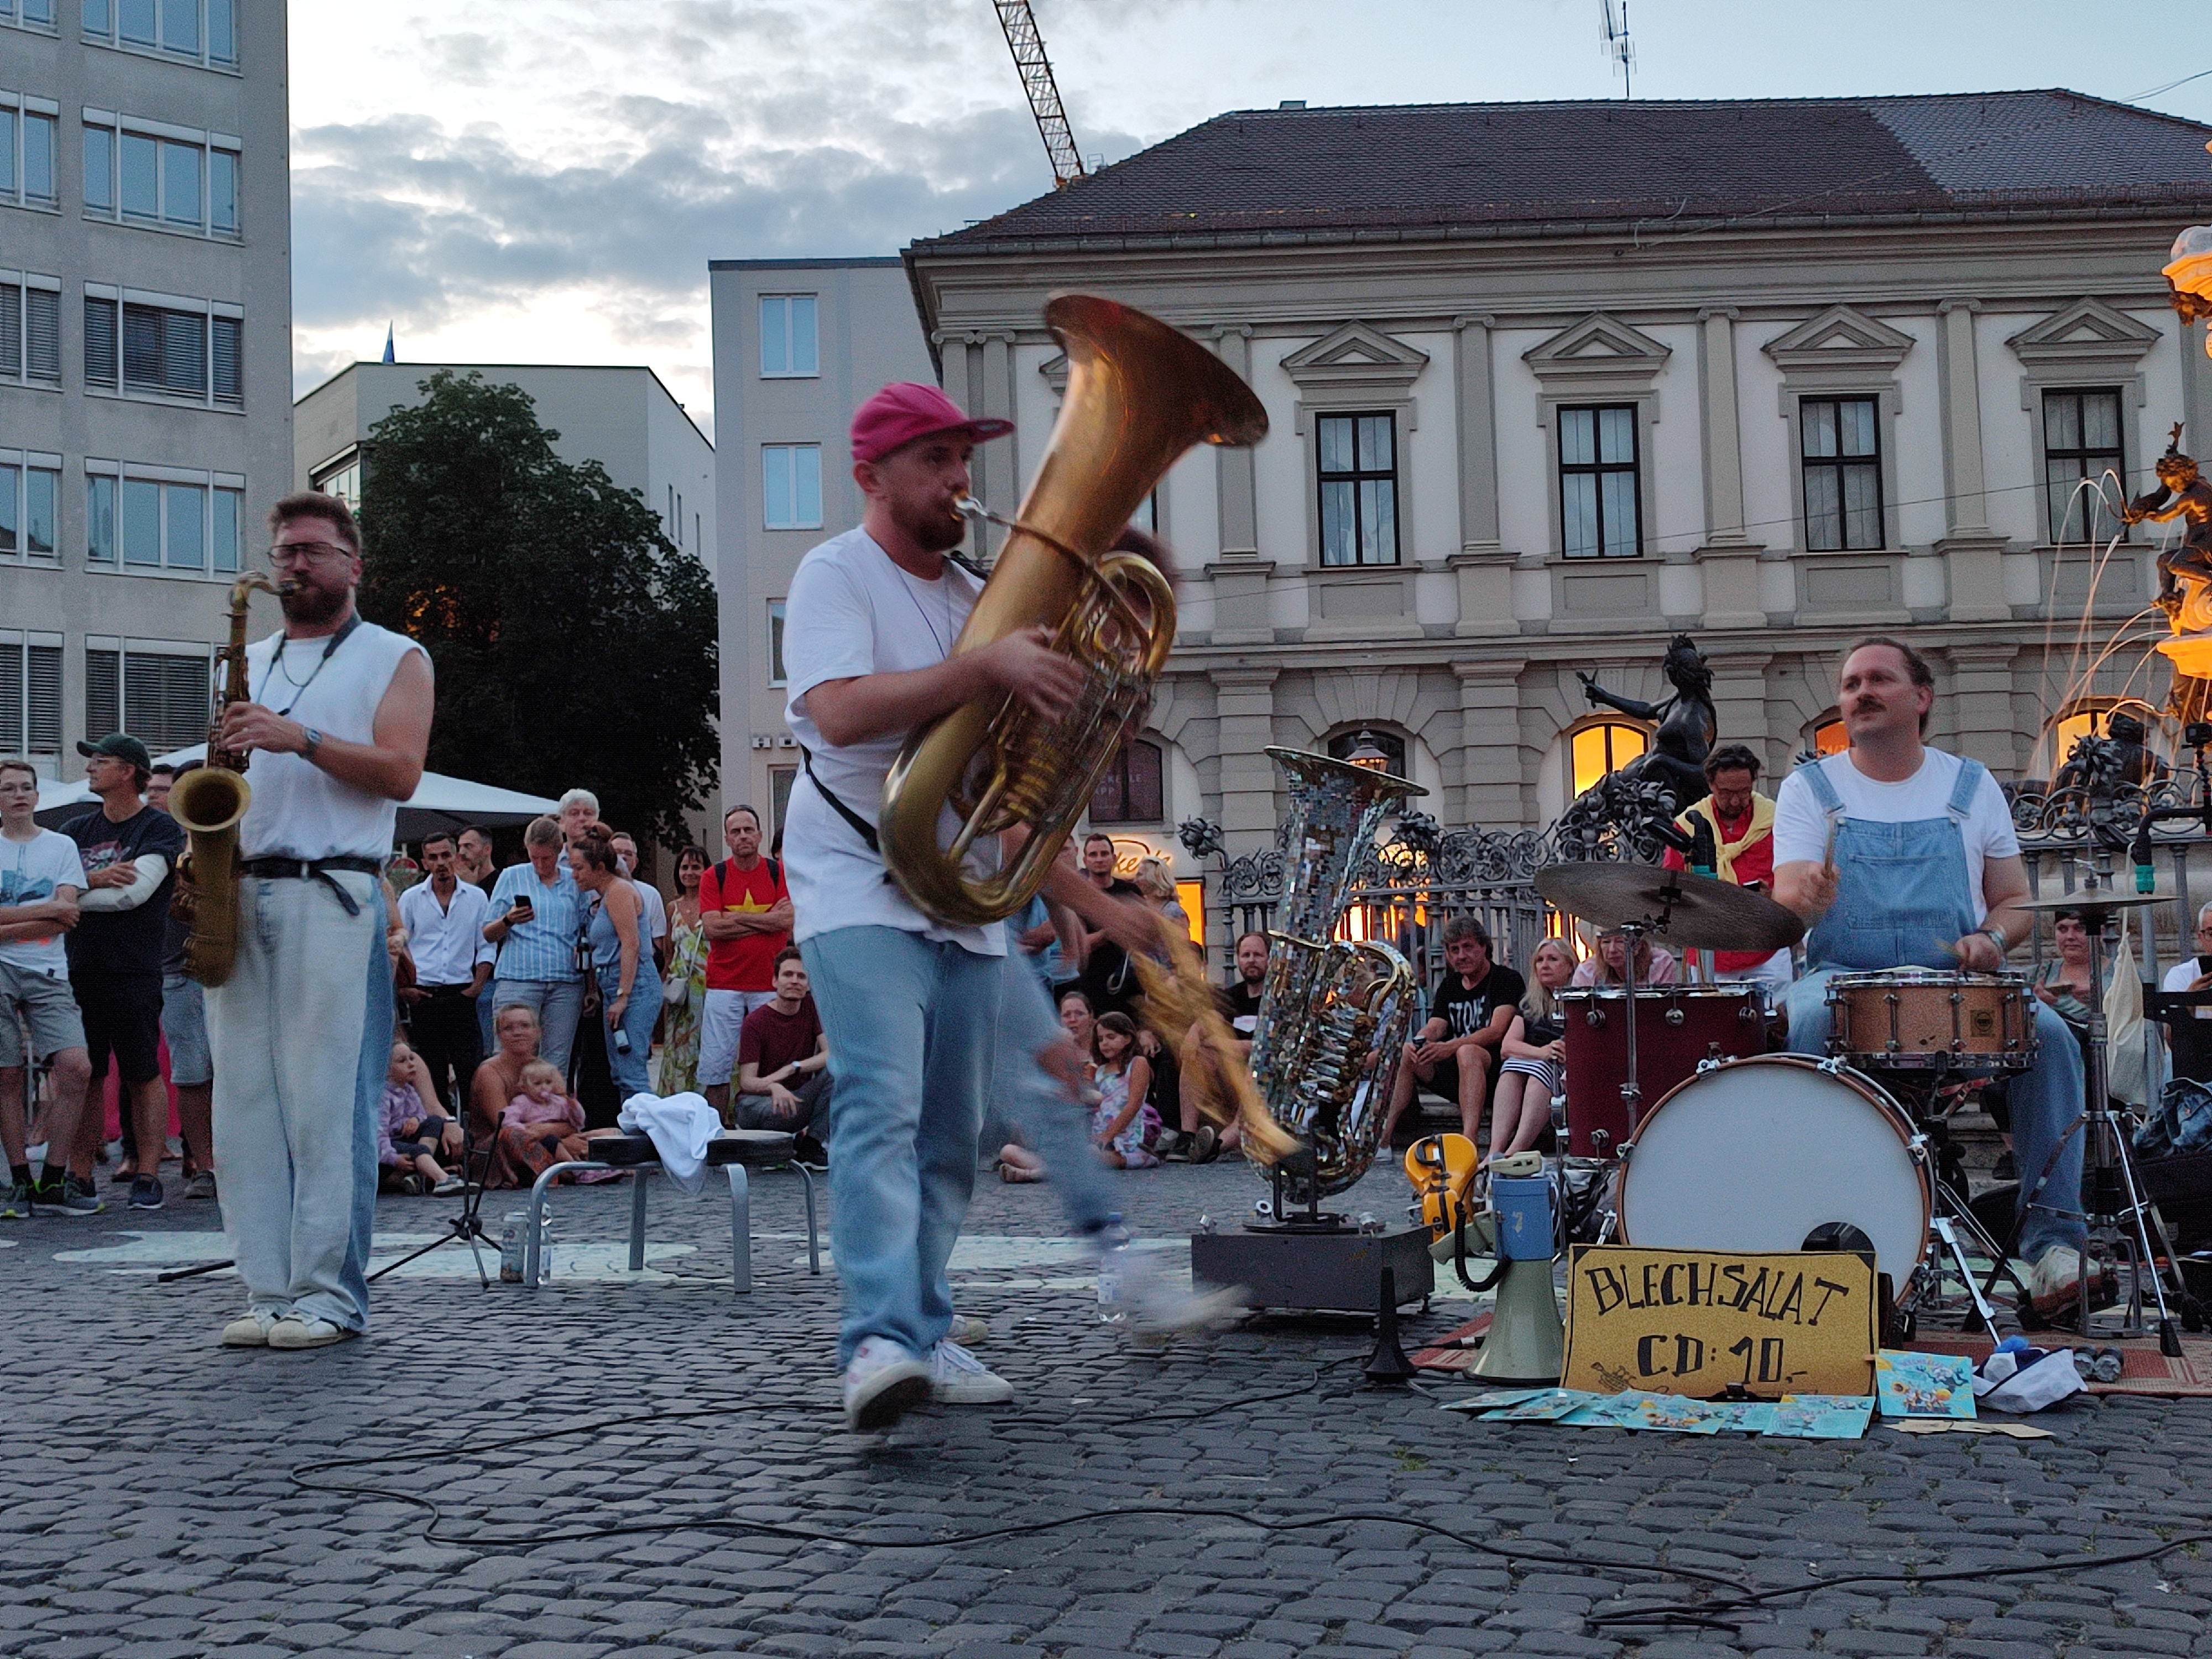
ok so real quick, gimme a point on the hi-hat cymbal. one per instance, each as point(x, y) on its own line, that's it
point(1697, 912)
point(2099, 899)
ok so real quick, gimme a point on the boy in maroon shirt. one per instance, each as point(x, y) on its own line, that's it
point(783, 1056)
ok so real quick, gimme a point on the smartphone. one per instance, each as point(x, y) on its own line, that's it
point(622, 1042)
point(524, 910)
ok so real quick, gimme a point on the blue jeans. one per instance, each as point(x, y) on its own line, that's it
point(558, 1004)
point(628, 1069)
point(2045, 1098)
point(1051, 1123)
point(910, 1024)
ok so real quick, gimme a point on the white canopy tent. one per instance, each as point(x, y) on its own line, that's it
point(438, 803)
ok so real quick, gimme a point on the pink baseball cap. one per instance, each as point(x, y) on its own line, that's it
point(907, 409)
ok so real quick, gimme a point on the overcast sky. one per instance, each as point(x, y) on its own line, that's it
point(544, 182)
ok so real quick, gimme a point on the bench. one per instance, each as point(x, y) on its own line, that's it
point(733, 1150)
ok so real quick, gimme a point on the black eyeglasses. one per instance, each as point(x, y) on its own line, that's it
point(284, 553)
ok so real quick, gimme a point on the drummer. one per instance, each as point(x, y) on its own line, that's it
point(1898, 855)
point(1742, 823)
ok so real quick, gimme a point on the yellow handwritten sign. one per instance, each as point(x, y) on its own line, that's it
point(1694, 1321)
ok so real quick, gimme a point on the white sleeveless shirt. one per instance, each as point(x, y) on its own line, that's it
point(300, 811)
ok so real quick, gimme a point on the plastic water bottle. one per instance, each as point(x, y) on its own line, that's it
point(510, 1249)
point(1113, 1258)
point(545, 1248)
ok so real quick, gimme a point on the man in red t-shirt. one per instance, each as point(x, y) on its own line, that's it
point(744, 910)
point(783, 1059)
point(1743, 835)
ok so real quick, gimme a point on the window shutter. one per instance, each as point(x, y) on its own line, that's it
point(11, 330)
point(142, 346)
point(103, 693)
point(43, 334)
point(165, 699)
point(229, 338)
point(184, 352)
point(99, 342)
point(11, 698)
point(45, 721)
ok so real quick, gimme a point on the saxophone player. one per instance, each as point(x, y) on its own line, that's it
point(336, 717)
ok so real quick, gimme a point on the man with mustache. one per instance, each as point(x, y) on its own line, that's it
point(1898, 855)
point(337, 719)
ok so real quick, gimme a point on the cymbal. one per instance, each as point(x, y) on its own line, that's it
point(1701, 913)
point(2099, 899)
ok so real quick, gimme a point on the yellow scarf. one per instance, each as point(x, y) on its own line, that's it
point(1762, 824)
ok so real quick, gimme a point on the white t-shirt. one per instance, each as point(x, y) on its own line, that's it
point(2179, 977)
point(851, 613)
point(1800, 821)
point(30, 872)
point(656, 909)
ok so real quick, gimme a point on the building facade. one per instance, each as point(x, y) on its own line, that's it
point(1549, 383)
point(799, 345)
point(622, 417)
point(145, 356)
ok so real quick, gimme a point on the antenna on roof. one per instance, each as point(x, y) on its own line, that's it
point(1618, 46)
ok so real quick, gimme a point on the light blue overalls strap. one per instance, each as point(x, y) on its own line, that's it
point(1960, 806)
point(1816, 778)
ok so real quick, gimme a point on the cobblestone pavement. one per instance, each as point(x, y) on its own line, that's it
point(164, 1497)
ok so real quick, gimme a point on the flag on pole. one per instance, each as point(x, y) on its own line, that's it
point(388, 357)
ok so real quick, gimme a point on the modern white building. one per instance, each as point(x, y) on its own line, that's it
point(799, 345)
point(622, 417)
point(145, 356)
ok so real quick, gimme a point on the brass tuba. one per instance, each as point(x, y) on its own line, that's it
point(1333, 1015)
point(1138, 395)
point(208, 801)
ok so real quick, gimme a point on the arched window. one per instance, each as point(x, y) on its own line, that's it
point(1830, 737)
point(1129, 790)
point(1343, 745)
point(2086, 718)
point(1603, 747)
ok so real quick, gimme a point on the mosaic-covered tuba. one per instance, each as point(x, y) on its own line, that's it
point(1333, 1015)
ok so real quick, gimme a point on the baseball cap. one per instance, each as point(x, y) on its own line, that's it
point(122, 746)
point(907, 409)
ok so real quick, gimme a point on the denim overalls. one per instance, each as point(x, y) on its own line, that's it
point(1902, 894)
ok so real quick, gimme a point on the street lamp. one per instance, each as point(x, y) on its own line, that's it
point(1366, 752)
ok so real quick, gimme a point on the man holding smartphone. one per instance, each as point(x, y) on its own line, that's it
point(537, 912)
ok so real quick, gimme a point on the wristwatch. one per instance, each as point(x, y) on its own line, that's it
point(1996, 936)
point(311, 742)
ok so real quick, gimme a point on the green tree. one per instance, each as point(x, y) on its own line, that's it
point(574, 643)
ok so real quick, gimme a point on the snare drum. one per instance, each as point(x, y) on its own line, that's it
point(1677, 1028)
point(1924, 1019)
point(1758, 1154)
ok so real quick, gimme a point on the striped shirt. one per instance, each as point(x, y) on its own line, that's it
point(544, 947)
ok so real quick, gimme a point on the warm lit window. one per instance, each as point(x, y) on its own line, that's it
point(1598, 750)
point(2088, 720)
point(1831, 737)
point(1190, 893)
point(1130, 789)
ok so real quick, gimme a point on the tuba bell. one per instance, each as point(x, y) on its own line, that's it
point(1138, 394)
point(1334, 1014)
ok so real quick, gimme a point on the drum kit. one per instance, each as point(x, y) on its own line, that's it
point(1746, 1149)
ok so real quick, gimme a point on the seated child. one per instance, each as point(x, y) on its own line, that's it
point(545, 1114)
point(1121, 1122)
point(408, 1134)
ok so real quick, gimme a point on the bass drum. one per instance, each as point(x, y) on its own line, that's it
point(1759, 1154)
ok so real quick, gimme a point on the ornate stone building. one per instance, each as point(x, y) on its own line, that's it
point(1549, 382)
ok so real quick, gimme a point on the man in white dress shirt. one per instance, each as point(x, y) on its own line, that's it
point(445, 919)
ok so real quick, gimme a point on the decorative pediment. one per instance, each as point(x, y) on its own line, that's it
point(1356, 356)
point(1599, 350)
point(2089, 330)
point(1055, 374)
point(1840, 339)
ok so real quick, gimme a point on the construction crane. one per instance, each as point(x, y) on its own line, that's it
point(1618, 46)
point(1036, 70)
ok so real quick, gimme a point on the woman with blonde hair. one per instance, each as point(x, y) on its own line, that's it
point(1155, 879)
point(1535, 1051)
point(1654, 964)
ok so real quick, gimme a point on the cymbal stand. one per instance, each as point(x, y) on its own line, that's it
point(2106, 1157)
point(1952, 1226)
point(1632, 1091)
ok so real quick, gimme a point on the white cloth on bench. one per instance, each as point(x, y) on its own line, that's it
point(680, 1127)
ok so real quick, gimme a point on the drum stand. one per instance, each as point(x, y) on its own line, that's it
point(2116, 1225)
point(1951, 1228)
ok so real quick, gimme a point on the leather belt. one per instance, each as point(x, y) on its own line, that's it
point(273, 867)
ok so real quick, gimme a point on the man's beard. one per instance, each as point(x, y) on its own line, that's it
point(931, 527)
point(313, 606)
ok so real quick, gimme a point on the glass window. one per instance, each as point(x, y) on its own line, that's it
point(100, 519)
point(1129, 790)
point(135, 22)
point(1830, 736)
point(11, 517)
point(99, 168)
point(41, 491)
point(1598, 750)
point(7, 152)
point(39, 11)
point(791, 492)
point(222, 32)
point(775, 675)
point(181, 26)
point(224, 546)
point(142, 177)
point(97, 19)
point(180, 184)
point(1599, 488)
point(788, 335)
point(39, 157)
point(1359, 474)
point(2081, 442)
point(99, 341)
point(1839, 442)
point(11, 330)
point(186, 511)
point(164, 350)
point(223, 191)
point(142, 522)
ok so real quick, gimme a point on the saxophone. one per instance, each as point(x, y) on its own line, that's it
point(208, 802)
point(1333, 1016)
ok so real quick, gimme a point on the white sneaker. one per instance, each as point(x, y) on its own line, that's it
point(957, 1377)
point(968, 1331)
point(1157, 1309)
point(297, 1332)
point(882, 1383)
point(2054, 1283)
point(246, 1331)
